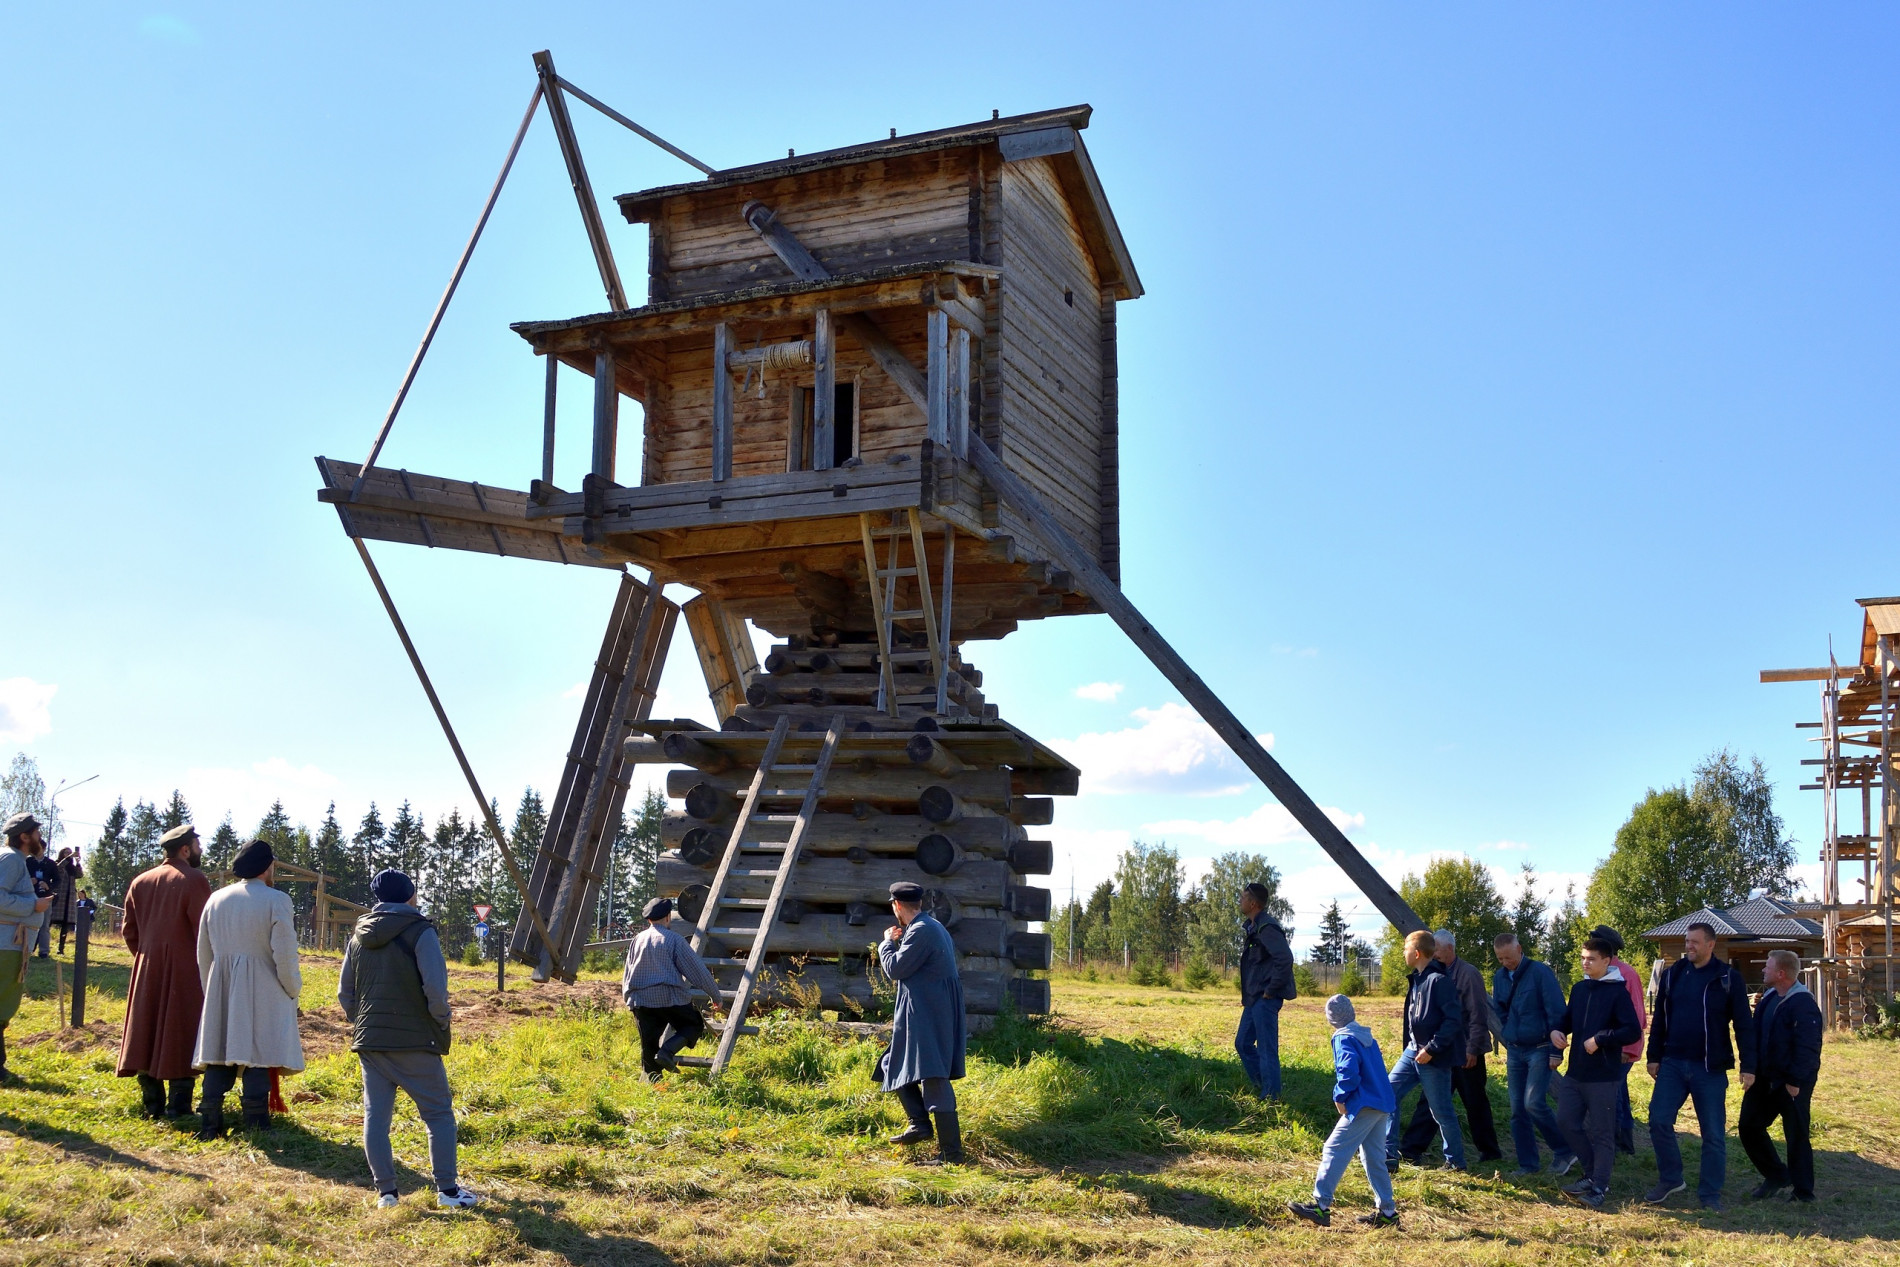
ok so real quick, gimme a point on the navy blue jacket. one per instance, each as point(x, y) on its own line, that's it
point(927, 1027)
point(1434, 1019)
point(1529, 1001)
point(1788, 1043)
point(1724, 1003)
point(1266, 961)
point(1601, 1010)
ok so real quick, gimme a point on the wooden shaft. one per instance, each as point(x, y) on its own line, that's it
point(448, 293)
point(547, 420)
point(925, 751)
point(765, 222)
point(577, 178)
point(625, 122)
point(682, 747)
point(461, 758)
point(959, 396)
point(937, 376)
point(1109, 598)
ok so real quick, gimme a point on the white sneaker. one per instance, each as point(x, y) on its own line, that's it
point(388, 1201)
point(1563, 1167)
point(461, 1198)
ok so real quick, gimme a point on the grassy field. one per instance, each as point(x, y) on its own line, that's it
point(1122, 1131)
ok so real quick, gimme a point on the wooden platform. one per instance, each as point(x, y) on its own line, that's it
point(774, 547)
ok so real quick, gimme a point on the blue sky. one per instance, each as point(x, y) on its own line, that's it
point(1494, 413)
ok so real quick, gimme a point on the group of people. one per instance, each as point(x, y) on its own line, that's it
point(214, 990)
point(1452, 1022)
point(929, 1033)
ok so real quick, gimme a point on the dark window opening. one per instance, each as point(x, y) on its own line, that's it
point(1068, 297)
point(844, 436)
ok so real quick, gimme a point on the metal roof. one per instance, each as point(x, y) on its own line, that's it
point(1757, 918)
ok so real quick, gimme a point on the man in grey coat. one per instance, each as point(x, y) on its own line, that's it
point(20, 912)
point(1468, 1078)
point(394, 987)
point(662, 971)
point(928, 1029)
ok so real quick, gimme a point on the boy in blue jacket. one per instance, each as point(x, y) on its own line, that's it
point(1362, 1096)
point(1601, 1020)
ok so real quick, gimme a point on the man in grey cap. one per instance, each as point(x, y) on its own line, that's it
point(20, 912)
point(928, 1029)
point(661, 965)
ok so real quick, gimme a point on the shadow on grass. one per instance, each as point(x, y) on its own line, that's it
point(80, 1144)
point(543, 1227)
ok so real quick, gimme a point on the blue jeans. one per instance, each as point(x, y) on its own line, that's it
point(1258, 1043)
point(1435, 1079)
point(1676, 1081)
point(1364, 1133)
point(1527, 1075)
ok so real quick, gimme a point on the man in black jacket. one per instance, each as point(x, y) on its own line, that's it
point(1468, 1078)
point(1434, 1046)
point(1602, 1021)
point(1266, 982)
point(1699, 998)
point(1787, 1061)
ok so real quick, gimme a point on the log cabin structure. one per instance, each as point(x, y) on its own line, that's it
point(1855, 768)
point(879, 420)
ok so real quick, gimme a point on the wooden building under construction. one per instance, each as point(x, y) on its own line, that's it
point(1855, 769)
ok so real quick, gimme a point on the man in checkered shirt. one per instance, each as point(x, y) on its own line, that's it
point(661, 964)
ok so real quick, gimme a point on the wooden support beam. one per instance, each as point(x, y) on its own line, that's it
point(726, 654)
point(824, 392)
point(577, 177)
point(547, 423)
point(721, 404)
point(606, 414)
point(1109, 598)
point(959, 393)
point(937, 376)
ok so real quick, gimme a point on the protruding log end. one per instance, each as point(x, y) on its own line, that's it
point(1032, 857)
point(937, 854)
point(1033, 811)
point(709, 804)
point(1027, 902)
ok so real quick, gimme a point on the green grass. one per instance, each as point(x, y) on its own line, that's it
point(1121, 1132)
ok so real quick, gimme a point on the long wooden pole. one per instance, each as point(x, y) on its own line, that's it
point(442, 304)
point(577, 177)
point(461, 758)
point(1108, 596)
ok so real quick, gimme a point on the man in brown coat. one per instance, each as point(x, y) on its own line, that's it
point(162, 907)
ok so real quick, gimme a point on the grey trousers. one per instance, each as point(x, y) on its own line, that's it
point(1586, 1114)
point(421, 1074)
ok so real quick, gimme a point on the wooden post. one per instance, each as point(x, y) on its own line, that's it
point(937, 375)
point(322, 914)
point(824, 392)
point(722, 403)
point(606, 414)
point(547, 421)
point(59, 992)
point(82, 937)
point(959, 436)
point(1110, 599)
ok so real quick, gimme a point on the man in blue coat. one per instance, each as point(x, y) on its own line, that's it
point(1266, 983)
point(1434, 1045)
point(927, 1030)
point(1530, 1003)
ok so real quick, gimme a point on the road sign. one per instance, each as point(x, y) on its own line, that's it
point(481, 929)
point(481, 911)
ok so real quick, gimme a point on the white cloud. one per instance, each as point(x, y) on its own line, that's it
point(576, 691)
point(1171, 751)
point(25, 709)
point(1271, 824)
point(1101, 692)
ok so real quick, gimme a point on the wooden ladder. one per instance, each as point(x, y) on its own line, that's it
point(769, 784)
point(885, 612)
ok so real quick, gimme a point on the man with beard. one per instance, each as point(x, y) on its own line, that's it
point(166, 1000)
point(20, 912)
point(928, 1029)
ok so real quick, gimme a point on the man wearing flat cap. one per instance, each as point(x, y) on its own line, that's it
point(162, 908)
point(661, 965)
point(247, 960)
point(394, 987)
point(21, 909)
point(928, 1029)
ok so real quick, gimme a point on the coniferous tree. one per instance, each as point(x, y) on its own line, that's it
point(406, 844)
point(450, 879)
point(1335, 937)
point(142, 830)
point(636, 860)
point(1563, 938)
point(1527, 914)
point(223, 847)
point(364, 856)
point(113, 859)
point(524, 838)
point(175, 814)
point(1097, 936)
point(328, 854)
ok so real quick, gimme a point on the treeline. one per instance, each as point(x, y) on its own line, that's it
point(454, 861)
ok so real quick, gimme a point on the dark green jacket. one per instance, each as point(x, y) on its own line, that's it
point(382, 986)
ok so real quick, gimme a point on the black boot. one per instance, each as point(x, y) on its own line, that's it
point(211, 1119)
point(6, 1079)
point(256, 1113)
point(178, 1099)
point(949, 1140)
point(911, 1097)
point(151, 1096)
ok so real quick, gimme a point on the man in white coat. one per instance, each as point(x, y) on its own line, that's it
point(247, 961)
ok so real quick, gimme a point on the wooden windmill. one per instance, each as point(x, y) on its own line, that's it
point(880, 421)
